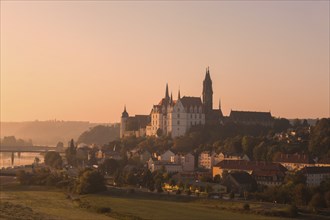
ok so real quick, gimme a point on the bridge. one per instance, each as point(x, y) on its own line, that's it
point(28, 149)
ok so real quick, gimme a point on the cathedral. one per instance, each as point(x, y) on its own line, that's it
point(175, 117)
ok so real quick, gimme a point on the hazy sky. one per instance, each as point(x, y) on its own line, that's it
point(83, 60)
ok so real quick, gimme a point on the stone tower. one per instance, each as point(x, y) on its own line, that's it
point(207, 95)
point(123, 121)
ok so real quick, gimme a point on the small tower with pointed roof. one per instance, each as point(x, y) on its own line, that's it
point(123, 121)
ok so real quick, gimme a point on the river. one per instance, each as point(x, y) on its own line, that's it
point(23, 158)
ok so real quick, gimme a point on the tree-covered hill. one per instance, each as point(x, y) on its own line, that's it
point(99, 135)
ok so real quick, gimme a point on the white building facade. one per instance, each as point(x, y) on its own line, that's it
point(175, 117)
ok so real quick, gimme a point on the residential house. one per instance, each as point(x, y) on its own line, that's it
point(315, 175)
point(246, 166)
point(166, 156)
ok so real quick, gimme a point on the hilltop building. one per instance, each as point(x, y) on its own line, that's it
point(175, 117)
point(133, 126)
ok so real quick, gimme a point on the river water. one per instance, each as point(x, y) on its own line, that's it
point(23, 158)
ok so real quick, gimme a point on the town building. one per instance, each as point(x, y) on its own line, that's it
point(294, 161)
point(315, 175)
point(133, 125)
point(246, 166)
point(208, 159)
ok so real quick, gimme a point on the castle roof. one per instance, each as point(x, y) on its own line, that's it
point(188, 102)
point(250, 116)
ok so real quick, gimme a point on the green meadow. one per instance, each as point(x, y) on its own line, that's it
point(36, 202)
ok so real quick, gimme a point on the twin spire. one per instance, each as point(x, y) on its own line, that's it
point(167, 94)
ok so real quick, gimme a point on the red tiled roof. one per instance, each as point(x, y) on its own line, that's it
point(250, 165)
point(294, 158)
point(316, 170)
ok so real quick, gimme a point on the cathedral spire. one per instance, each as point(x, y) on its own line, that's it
point(124, 114)
point(171, 98)
point(179, 96)
point(166, 92)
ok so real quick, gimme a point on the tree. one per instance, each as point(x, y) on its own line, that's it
point(53, 159)
point(99, 135)
point(71, 154)
point(300, 193)
point(296, 123)
point(159, 132)
point(217, 178)
point(260, 151)
point(320, 139)
point(89, 181)
point(109, 166)
point(281, 125)
point(36, 161)
point(248, 143)
point(317, 201)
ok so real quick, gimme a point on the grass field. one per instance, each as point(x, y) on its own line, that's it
point(36, 202)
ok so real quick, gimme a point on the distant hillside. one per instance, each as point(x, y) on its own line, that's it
point(99, 135)
point(47, 132)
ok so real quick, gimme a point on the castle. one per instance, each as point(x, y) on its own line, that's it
point(175, 117)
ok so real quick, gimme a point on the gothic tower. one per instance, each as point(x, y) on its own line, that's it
point(123, 121)
point(207, 94)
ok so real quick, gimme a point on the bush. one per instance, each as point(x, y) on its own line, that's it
point(246, 207)
point(89, 181)
point(292, 211)
point(103, 210)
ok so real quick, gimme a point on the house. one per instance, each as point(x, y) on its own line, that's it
point(186, 160)
point(269, 177)
point(246, 166)
point(315, 175)
point(154, 165)
point(240, 182)
point(166, 156)
point(294, 161)
point(208, 159)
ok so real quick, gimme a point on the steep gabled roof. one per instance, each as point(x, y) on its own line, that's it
point(188, 102)
point(250, 116)
point(242, 177)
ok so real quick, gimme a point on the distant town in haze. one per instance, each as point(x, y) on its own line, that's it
point(170, 152)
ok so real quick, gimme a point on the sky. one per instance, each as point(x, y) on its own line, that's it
point(85, 60)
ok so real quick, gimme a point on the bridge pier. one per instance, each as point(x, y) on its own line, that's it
point(12, 158)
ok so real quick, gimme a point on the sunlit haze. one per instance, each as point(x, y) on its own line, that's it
point(85, 60)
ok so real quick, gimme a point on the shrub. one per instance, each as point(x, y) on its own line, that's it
point(102, 210)
point(246, 206)
point(292, 211)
